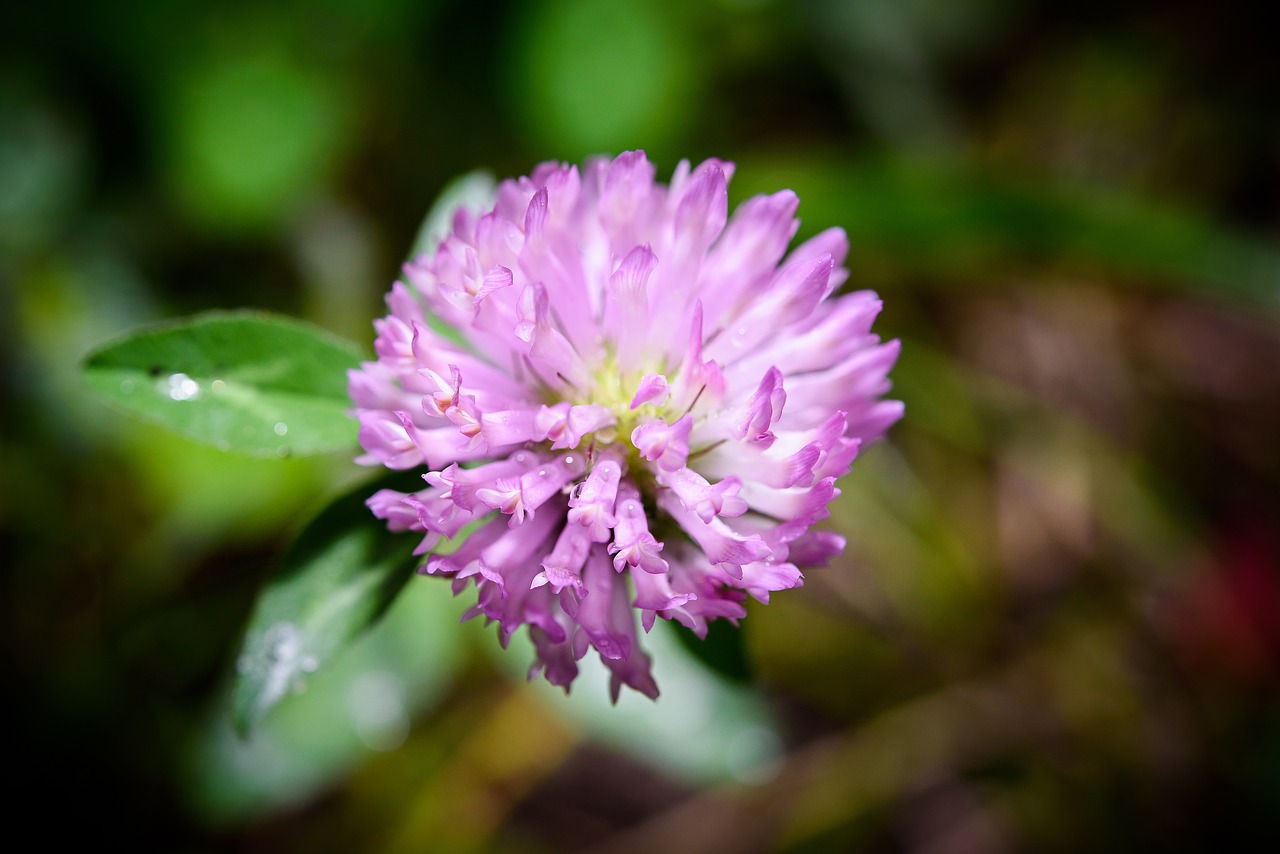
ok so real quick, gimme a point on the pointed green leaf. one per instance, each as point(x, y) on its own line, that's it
point(337, 579)
point(362, 703)
point(248, 382)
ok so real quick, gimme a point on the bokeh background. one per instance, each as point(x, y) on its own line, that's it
point(1057, 626)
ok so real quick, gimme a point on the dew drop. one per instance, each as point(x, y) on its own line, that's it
point(309, 664)
point(542, 472)
point(182, 387)
point(281, 428)
point(217, 385)
point(568, 461)
point(126, 386)
point(283, 642)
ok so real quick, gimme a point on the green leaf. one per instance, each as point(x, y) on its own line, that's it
point(337, 579)
point(363, 703)
point(249, 382)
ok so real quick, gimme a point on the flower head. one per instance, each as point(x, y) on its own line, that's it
point(649, 409)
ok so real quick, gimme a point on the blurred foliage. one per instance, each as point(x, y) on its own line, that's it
point(1057, 625)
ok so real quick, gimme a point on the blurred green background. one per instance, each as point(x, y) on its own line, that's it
point(1057, 626)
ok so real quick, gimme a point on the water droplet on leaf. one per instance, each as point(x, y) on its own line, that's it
point(181, 387)
point(283, 640)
